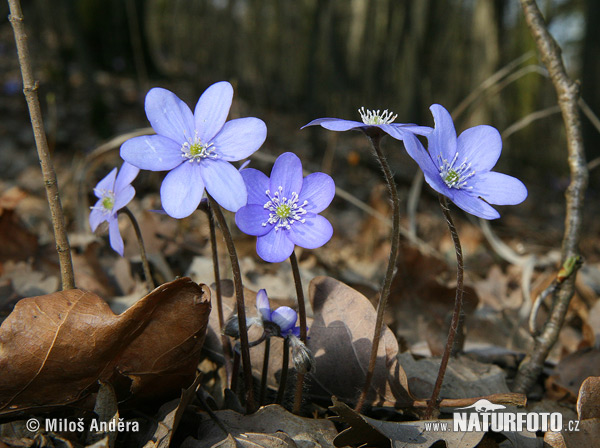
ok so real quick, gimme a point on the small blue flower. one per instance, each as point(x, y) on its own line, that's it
point(196, 149)
point(460, 168)
point(372, 120)
point(284, 317)
point(283, 211)
point(113, 192)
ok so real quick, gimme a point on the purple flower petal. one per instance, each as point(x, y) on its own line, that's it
point(499, 189)
point(123, 198)
point(106, 184)
point(263, 305)
point(212, 110)
point(318, 190)
point(169, 116)
point(417, 151)
point(152, 152)
point(336, 124)
point(114, 235)
point(419, 130)
point(275, 246)
point(257, 184)
point(442, 141)
point(97, 216)
point(313, 233)
point(224, 183)
point(285, 318)
point(250, 219)
point(480, 146)
point(287, 173)
point(127, 173)
point(181, 190)
point(240, 138)
point(475, 206)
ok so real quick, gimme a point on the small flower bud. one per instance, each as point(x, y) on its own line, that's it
point(232, 327)
point(302, 357)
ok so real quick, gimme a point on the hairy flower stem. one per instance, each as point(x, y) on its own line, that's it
point(458, 300)
point(217, 275)
point(30, 87)
point(241, 309)
point(302, 319)
point(138, 233)
point(375, 140)
point(284, 371)
point(235, 372)
point(265, 371)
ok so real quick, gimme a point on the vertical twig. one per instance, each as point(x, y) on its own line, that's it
point(138, 234)
point(389, 275)
point(302, 319)
point(265, 372)
point(30, 87)
point(568, 95)
point(241, 308)
point(458, 300)
point(284, 370)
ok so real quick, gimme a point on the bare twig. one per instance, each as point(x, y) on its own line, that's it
point(30, 87)
point(568, 96)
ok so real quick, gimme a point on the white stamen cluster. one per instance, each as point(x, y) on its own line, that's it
point(376, 117)
point(196, 151)
point(283, 211)
point(455, 177)
point(108, 201)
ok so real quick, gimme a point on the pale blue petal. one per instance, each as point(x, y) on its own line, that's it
point(480, 146)
point(442, 141)
point(123, 198)
point(312, 233)
point(474, 205)
point(415, 149)
point(336, 124)
point(106, 184)
point(212, 110)
point(181, 190)
point(287, 173)
point(114, 235)
point(263, 305)
point(240, 138)
point(499, 189)
point(318, 189)
point(399, 130)
point(250, 219)
point(126, 175)
point(224, 183)
point(285, 318)
point(169, 116)
point(152, 152)
point(257, 184)
point(275, 246)
point(97, 216)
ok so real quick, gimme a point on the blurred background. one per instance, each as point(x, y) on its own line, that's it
point(293, 61)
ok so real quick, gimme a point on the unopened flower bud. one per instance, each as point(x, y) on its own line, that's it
point(232, 327)
point(302, 357)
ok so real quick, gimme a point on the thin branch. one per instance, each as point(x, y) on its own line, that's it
point(568, 96)
point(30, 87)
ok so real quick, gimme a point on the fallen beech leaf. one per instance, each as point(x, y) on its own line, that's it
point(255, 440)
point(340, 339)
point(54, 348)
point(573, 369)
point(588, 401)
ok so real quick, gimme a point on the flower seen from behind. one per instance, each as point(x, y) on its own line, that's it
point(372, 122)
point(284, 317)
point(196, 148)
point(282, 211)
point(460, 168)
point(113, 192)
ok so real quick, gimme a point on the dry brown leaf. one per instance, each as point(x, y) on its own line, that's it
point(54, 348)
point(573, 369)
point(588, 401)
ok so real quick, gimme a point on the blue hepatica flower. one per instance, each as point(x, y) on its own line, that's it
point(460, 168)
point(113, 192)
point(284, 317)
point(196, 149)
point(283, 211)
point(372, 121)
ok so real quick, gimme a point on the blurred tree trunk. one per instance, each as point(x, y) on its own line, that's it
point(591, 75)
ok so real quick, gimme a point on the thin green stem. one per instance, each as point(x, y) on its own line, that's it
point(241, 308)
point(433, 401)
point(138, 233)
point(389, 274)
point(265, 372)
point(284, 371)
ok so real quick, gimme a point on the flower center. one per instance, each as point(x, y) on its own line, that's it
point(107, 203)
point(372, 117)
point(284, 211)
point(455, 176)
point(196, 151)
